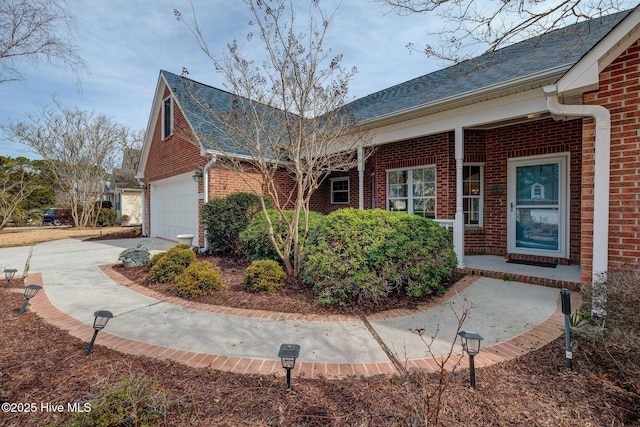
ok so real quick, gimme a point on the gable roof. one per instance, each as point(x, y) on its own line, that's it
point(521, 67)
point(195, 99)
point(541, 59)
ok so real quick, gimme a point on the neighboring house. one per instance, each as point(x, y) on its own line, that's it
point(124, 191)
point(530, 152)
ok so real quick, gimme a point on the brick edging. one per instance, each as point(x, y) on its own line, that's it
point(118, 278)
point(535, 338)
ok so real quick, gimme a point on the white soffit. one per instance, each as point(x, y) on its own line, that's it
point(584, 75)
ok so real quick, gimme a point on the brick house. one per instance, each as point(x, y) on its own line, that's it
point(530, 152)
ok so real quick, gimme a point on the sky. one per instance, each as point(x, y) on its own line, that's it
point(126, 43)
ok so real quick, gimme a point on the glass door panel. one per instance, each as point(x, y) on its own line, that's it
point(538, 206)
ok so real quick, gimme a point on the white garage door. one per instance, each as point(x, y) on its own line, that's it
point(174, 207)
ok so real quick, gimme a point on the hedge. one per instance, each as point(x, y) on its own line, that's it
point(361, 256)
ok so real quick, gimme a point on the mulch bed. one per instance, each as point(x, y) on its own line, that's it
point(41, 364)
point(295, 297)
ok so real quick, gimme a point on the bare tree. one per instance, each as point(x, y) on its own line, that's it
point(15, 187)
point(80, 149)
point(428, 390)
point(287, 118)
point(32, 31)
point(471, 27)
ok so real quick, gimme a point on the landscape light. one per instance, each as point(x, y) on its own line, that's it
point(100, 321)
point(9, 273)
point(288, 354)
point(471, 343)
point(30, 291)
point(565, 298)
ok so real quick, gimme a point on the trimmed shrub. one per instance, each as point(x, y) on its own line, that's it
point(255, 238)
point(106, 217)
point(172, 264)
point(200, 278)
point(359, 256)
point(264, 276)
point(133, 401)
point(225, 218)
point(156, 257)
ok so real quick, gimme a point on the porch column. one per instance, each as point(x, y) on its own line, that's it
point(458, 229)
point(361, 178)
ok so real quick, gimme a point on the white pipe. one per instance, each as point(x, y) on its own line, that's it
point(602, 117)
point(205, 176)
point(143, 190)
point(361, 178)
point(458, 229)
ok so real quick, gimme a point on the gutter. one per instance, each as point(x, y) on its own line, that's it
point(602, 156)
point(527, 80)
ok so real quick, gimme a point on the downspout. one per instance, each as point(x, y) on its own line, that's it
point(602, 156)
point(143, 189)
point(205, 174)
point(458, 228)
point(361, 178)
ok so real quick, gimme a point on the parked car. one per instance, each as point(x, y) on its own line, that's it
point(57, 216)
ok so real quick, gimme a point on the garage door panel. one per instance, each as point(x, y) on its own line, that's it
point(174, 207)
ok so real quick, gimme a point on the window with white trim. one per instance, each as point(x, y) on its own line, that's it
point(340, 190)
point(412, 191)
point(167, 114)
point(472, 195)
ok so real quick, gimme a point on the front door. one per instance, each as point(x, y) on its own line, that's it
point(538, 206)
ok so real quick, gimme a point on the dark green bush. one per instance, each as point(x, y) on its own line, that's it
point(255, 238)
point(171, 265)
point(156, 257)
point(106, 217)
point(264, 276)
point(200, 278)
point(358, 256)
point(225, 218)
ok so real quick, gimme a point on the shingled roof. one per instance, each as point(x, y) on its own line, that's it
point(195, 98)
point(553, 52)
point(548, 56)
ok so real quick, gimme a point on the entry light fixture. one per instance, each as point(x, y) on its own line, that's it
point(30, 291)
point(9, 273)
point(288, 354)
point(471, 344)
point(197, 176)
point(100, 321)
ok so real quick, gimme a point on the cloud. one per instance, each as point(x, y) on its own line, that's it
point(125, 44)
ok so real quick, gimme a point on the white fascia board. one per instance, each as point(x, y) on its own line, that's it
point(494, 110)
point(153, 119)
point(584, 75)
point(241, 157)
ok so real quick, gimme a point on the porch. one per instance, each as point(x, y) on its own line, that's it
point(561, 276)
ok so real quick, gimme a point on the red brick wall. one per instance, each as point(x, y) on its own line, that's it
point(619, 92)
point(179, 154)
point(428, 150)
point(491, 147)
point(475, 151)
point(172, 156)
point(522, 140)
point(224, 182)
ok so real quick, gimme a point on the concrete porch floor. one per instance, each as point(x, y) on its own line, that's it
point(496, 266)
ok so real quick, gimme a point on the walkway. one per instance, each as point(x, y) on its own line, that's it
point(513, 318)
